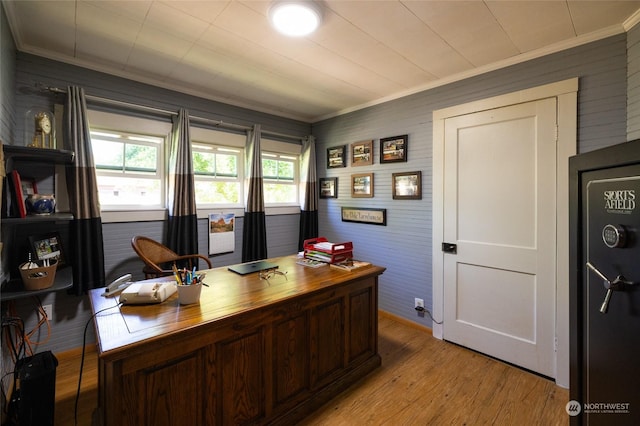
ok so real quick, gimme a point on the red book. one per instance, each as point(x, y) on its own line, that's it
point(17, 186)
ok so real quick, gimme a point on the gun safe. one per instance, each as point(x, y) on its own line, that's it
point(605, 286)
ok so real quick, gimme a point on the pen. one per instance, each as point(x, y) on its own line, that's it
point(177, 275)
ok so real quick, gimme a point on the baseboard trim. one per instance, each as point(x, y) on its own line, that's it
point(404, 321)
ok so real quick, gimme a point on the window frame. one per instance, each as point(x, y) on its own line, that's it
point(162, 128)
point(134, 126)
point(239, 179)
point(282, 149)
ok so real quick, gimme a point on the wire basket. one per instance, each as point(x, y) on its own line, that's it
point(38, 278)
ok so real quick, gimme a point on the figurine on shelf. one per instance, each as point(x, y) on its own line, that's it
point(44, 134)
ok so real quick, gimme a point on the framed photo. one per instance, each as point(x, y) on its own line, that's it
point(362, 185)
point(337, 157)
point(364, 215)
point(362, 153)
point(329, 187)
point(394, 149)
point(221, 236)
point(47, 246)
point(407, 186)
point(29, 186)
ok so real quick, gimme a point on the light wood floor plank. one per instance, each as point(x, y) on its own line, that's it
point(422, 381)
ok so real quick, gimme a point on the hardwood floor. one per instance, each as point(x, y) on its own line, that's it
point(426, 381)
point(67, 387)
point(422, 381)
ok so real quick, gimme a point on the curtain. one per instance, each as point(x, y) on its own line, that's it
point(86, 248)
point(309, 196)
point(254, 236)
point(182, 229)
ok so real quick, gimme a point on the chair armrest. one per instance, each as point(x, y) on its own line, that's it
point(195, 256)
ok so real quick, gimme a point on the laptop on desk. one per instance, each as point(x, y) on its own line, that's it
point(250, 267)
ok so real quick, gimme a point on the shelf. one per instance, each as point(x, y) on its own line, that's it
point(24, 153)
point(17, 230)
point(14, 289)
point(37, 218)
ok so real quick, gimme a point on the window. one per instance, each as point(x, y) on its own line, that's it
point(128, 168)
point(131, 167)
point(280, 178)
point(218, 174)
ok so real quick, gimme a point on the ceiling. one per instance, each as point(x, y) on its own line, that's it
point(365, 52)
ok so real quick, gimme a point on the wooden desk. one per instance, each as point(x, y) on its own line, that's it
point(251, 352)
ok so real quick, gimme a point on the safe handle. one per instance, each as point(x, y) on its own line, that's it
point(611, 286)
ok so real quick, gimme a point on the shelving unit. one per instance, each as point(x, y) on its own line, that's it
point(15, 230)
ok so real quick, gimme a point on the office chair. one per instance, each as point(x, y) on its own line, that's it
point(158, 259)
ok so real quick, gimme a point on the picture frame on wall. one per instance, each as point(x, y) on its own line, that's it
point(362, 153)
point(407, 186)
point(394, 149)
point(364, 215)
point(328, 187)
point(362, 185)
point(337, 157)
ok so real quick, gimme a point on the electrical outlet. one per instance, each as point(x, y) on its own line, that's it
point(48, 309)
point(419, 303)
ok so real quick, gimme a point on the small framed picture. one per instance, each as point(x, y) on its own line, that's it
point(337, 157)
point(29, 186)
point(329, 187)
point(362, 185)
point(394, 149)
point(362, 153)
point(407, 186)
point(47, 246)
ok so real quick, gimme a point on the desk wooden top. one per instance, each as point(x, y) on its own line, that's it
point(229, 294)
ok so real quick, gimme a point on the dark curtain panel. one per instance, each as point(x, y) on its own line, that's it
point(308, 181)
point(182, 229)
point(254, 236)
point(86, 248)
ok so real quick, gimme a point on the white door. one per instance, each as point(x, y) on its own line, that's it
point(500, 211)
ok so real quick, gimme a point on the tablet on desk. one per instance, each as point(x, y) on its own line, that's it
point(250, 267)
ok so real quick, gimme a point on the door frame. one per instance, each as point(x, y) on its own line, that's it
point(566, 93)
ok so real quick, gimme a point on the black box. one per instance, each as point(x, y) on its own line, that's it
point(37, 387)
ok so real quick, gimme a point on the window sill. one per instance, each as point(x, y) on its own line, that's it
point(116, 216)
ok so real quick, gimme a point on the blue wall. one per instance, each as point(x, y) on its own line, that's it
point(404, 245)
point(70, 312)
point(7, 80)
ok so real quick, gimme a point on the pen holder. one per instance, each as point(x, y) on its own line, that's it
point(188, 294)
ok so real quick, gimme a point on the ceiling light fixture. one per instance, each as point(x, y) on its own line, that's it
point(295, 18)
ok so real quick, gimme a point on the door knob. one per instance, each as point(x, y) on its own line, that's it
point(611, 286)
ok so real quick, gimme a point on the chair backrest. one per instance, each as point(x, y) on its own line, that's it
point(152, 252)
